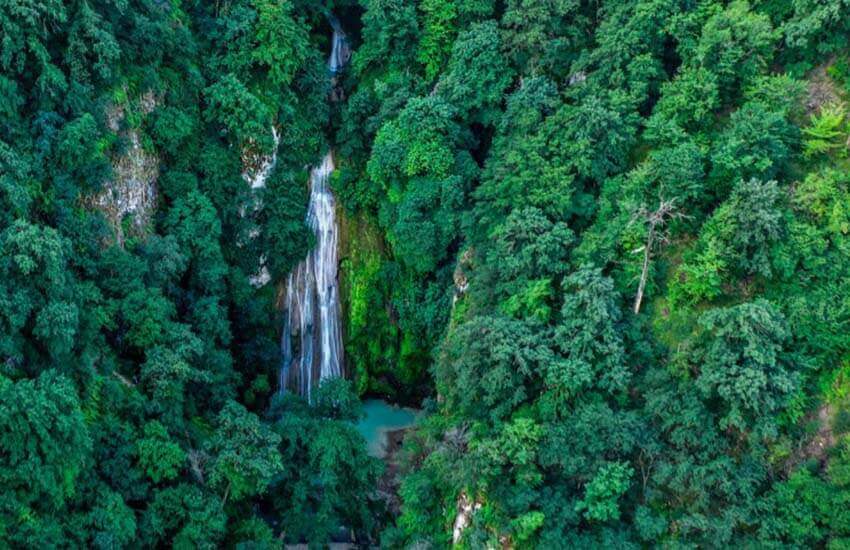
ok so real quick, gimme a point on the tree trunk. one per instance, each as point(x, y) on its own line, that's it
point(646, 252)
point(226, 494)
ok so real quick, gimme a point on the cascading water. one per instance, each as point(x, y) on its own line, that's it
point(312, 296)
point(312, 311)
point(340, 50)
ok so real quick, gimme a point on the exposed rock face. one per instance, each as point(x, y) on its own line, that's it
point(461, 279)
point(256, 170)
point(132, 191)
point(262, 277)
point(465, 508)
point(258, 167)
point(577, 78)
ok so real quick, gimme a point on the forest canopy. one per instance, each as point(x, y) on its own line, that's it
point(604, 247)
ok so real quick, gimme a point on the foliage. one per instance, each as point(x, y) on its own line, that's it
point(496, 160)
point(736, 239)
point(588, 337)
point(327, 477)
point(46, 444)
point(486, 364)
point(744, 362)
point(122, 355)
point(826, 132)
point(243, 458)
point(158, 456)
point(437, 35)
point(561, 418)
point(600, 501)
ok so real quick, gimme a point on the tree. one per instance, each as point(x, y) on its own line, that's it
point(687, 105)
point(596, 134)
point(26, 36)
point(475, 80)
point(39, 315)
point(736, 44)
point(112, 522)
point(756, 144)
point(194, 222)
point(743, 360)
point(737, 239)
point(505, 465)
point(823, 195)
point(244, 456)
point(528, 245)
point(827, 132)
point(281, 41)
point(536, 32)
point(390, 28)
point(79, 151)
point(600, 499)
point(335, 400)
point(588, 338)
point(486, 367)
point(426, 221)
point(528, 252)
point(282, 220)
point(438, 33)
point(184, 516)
point(816, 25)
point(525, 166)
point(809, 507)
point(327, 475)
point(173, 128)
point(159, 456)
point(92, 48)
point(148, 316)
point(420, 141)
point(240, 114)
point(747, 224)
point(45, 446)
point(678, 173)
point(655, 222)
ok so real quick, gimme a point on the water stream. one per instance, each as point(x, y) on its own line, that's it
point(311, 343)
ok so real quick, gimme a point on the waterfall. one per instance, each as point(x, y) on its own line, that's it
point(340, 51)
point(312, 310)
point(312, 296)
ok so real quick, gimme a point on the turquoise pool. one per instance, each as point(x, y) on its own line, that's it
point(382, 417)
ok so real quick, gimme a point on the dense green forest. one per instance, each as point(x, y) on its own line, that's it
point(603, 245)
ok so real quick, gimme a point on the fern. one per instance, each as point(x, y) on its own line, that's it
point(827, 132)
